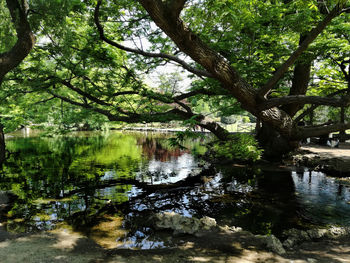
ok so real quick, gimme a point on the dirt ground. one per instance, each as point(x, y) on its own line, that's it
point(342, 152)
point(64, 246)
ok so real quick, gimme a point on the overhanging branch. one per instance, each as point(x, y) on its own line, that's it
point(103, 37)
point(174, 114)
point(25, 38)
point(314, 131)
point(313, 107)
point(302, 100)
point(176, 6)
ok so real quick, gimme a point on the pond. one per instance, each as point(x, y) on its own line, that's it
point(107, 186)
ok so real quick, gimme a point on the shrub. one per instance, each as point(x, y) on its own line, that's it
point(241, 147)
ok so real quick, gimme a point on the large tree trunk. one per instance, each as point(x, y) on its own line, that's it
point(275, 144)
point(300, 81)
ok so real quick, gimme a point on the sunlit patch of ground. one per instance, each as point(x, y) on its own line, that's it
point(108, 231)
point(66, 246)
point(342, 152)
point(49, 247)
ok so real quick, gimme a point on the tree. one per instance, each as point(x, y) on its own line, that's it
point(235, 58)
point(271, 111)
point(10, 59)
point(276, 113)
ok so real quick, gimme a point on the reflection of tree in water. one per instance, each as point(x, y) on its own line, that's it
point(159, 149)
point(261, 203)
point(43, 172)
point(90, 176)
point(73, 177)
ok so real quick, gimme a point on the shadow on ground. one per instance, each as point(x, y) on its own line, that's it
point(65, 246)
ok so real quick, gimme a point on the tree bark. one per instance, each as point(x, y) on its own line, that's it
point(311, 117)
point(25, 38)
point(300, 81)
point(342, 120)
point(275, 145)
point(216, 129)
point(2, 146)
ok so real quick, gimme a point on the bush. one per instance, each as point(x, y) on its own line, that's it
point(241, 147)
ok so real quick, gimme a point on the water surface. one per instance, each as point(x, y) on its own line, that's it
point(108, 185)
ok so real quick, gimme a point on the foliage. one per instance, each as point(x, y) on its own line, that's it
point(242, 147)
point(71, 77)
point(6, 30)
point(181, 137)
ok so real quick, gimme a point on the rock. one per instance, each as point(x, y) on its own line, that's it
point(182, 224)
point(295, 236)
point(232, 229)
point(295, 233)
point(207, 223)
point(321, 161)
point(304, 236)
point(274, 244)
point(335, 232)
point(235, 229)
point(290, 242)
point(316, 233)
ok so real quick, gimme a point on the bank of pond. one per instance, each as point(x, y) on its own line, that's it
point(109, 185)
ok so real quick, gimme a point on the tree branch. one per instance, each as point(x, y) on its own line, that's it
point(94, 99)
point(346, 10)
point(302, 99)
point(313, 107)
point(303, 132)
point(82, 105)
point(174, 114)
point(85, 94)
point(343, 69)
point(300, 80)
point(302, 47)
point(127, 92)
point(186, 66)
point(184, 106)
point(25, 38)
point(175, 7)
point(197, 92)
point(193, 46)
point(43, 101)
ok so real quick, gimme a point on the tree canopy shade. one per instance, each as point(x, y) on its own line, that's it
point(261, 56)
point(11, 58)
